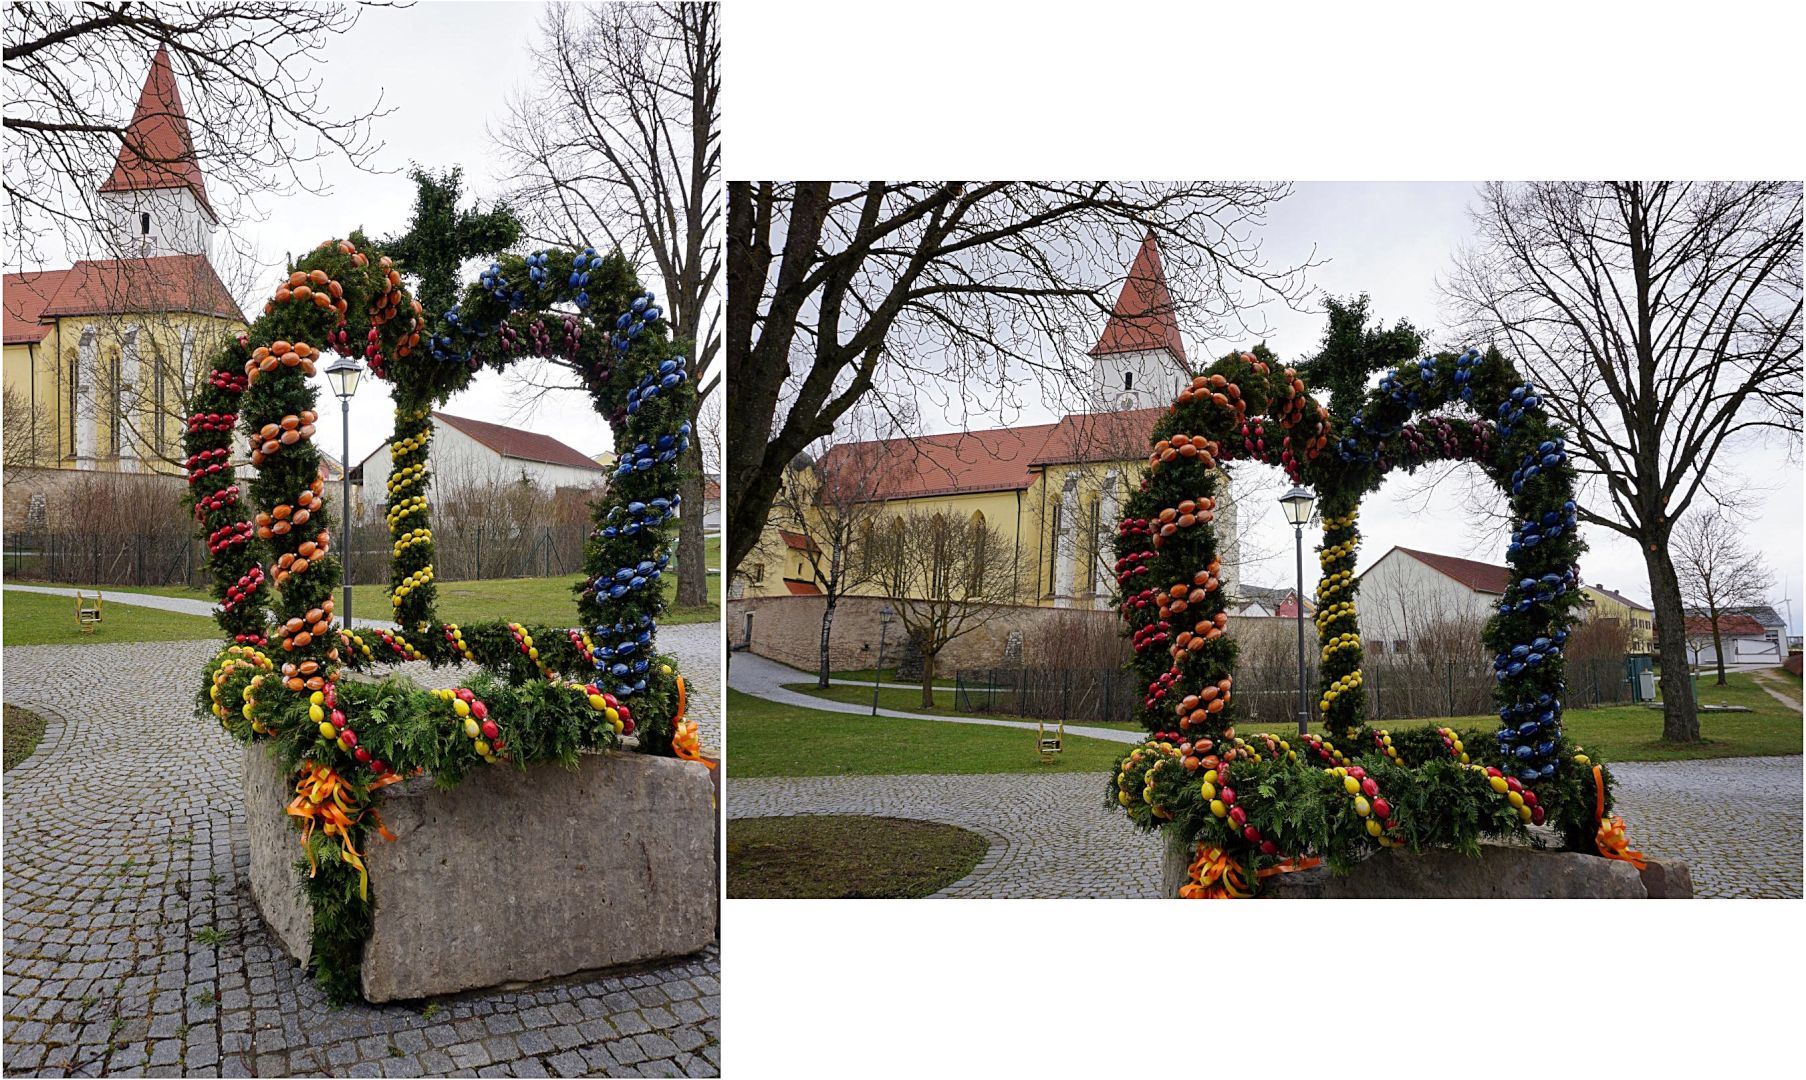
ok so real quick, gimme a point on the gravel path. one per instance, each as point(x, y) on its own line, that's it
point(125, 838)
point(1735, 821)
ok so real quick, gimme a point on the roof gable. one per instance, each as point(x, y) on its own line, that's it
point(1080, 438)
point(1478, 576)
point(1143, 318)
point(1619, 597)
point(522, 445)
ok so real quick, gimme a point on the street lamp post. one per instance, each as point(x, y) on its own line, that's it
point(884, 616)
point(1297, 503)
point(342, 375)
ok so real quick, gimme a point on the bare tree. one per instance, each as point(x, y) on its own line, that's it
point(1662, 321)
point(1719, 575)
point(960, 292)
point(25, 425)
point(253, 103)
point(623, 143)
point(832, 505)
point(946, 576)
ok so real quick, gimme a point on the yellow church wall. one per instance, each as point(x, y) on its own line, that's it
point(159, 339)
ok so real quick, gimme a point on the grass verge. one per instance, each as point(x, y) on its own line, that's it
point(834, 857)
point(768, 739)
point(24, 730)
point(38, 619)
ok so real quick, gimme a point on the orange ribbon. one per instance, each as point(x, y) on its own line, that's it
point(1611, 839)
point(323, 798)
point(686, 739)
point(1215, 876)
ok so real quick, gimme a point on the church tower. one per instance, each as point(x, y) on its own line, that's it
point(1140, 360)
point(155, 201)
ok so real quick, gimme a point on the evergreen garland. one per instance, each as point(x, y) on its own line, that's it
point(278, 682)
point(1254, 806)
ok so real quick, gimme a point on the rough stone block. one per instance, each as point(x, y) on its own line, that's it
point(514, 877)
point(1667, 880)
point(274, 848)
point(1501, 871)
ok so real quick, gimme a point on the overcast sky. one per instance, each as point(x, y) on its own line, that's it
point(1392, 241)
point(447, 71)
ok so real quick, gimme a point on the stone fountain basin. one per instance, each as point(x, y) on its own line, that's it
point(1501, 871)
point(511, 876)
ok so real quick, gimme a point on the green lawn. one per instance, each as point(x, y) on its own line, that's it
point(767, 739)
point(543, 601)
point(833, 857)
point(890, 677)
point(37, 619)
point(1634, 732)
point(23, 732)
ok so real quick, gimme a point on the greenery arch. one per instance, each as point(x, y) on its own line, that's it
point(540, 693)
point(1255, 806)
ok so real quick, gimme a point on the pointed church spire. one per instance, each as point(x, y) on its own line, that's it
point(1143, 318)
point(158, 152)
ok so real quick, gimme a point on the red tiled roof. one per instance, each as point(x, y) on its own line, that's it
point(161, 283)
point(1143, 318)
point(157, 151)
point(801, 588)
point(1478, 576)
point(26, 297)
point(515, 443)
point(1728, 626)
point(959, 463)
point(798, 541)
point(1088, 437)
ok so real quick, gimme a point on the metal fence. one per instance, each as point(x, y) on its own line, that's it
point(164, 558)
point(1267, 696)
point(146, 559)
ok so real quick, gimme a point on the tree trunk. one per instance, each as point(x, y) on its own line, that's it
point(928, 680)
point(1680, 715)
point(1717, 642)
point(692, 569)
point(827, 628)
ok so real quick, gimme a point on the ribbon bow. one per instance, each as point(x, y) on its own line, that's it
point(323, 798)
point(1215, 876)
point(1611, 839)
point(686, 739)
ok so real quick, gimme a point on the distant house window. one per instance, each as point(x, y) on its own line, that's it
point(1375, 645)
point(756, 573)
point(1053, 552)
point(1400, 645)
point(1128, 380)
point(143, 224)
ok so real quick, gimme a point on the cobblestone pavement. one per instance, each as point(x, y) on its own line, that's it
point(1735, 821)
point(1050, 834)
point(133, 946)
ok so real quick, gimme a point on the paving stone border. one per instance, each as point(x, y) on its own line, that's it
point(133, 947)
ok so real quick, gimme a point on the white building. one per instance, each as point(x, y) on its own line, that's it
point(474, 452)
point(1140, 358)
point(1407, 591)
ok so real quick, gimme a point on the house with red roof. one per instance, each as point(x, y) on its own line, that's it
point(1743, 637)
point(476, 454)
point(1407, 594)
point(100, 357)
point(1053, 490)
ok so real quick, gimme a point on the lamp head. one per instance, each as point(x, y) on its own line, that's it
point(342, 375)
point(1297, 503)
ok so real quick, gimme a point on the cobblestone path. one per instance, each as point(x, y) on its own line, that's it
point(133, 946)
point(1735, 821)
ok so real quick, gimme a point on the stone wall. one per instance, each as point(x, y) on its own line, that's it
point(788, 629)
point(512, 876)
